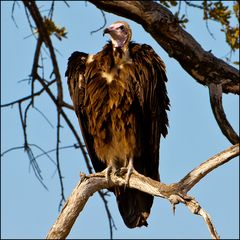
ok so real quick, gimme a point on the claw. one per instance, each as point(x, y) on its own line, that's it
point(120, 172)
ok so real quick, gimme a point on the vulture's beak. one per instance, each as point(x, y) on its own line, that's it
point(106, 30)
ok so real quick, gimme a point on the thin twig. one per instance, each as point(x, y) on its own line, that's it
point(54, 149)
point(179, 8)
point(103, 26)
point(67, 105)
point(208, 29)
point(30, 24)
point(50, 13)
point(29, 96)
point(44, 152)
point(31, 145)
point(35, 65)
point(70, 125)
point(23, 123)
point(12, 14)
point(11, 149)
point(44, 116)
point(58, 160)
point(189, 3)
point(44, 37)
point(33, 9)
point(66, 3)
point(109, 215)
point(27, 148)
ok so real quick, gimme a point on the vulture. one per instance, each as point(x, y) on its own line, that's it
point(120, 98)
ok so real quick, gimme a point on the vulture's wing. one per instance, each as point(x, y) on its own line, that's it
point(151, 91)
point(76, 83)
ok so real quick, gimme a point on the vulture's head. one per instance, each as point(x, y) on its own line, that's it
point(120, 33)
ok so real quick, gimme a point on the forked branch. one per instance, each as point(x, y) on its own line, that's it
point(175, 193)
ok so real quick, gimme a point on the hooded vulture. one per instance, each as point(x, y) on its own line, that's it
point(120, 99)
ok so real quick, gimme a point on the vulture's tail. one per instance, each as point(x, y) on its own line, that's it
point(134, 206)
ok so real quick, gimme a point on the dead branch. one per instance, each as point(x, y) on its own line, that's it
point(175, 192)
point(215, 92)
point(109, 215)
point(165, 29)
point(28, 97)
point(201, 171)
point(195, 208)
point(44, 36)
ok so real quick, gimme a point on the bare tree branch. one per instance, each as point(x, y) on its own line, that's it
point(33, 9)
point(195, 208)
point(201, 171)
point(63, 199)
point(12, 15)
point(28, 97)
point(59, 103)
point(70, 125)
point(109, 215)
point(215, 92)
point(175, 193)
point(164, 28)
point(103, 26)
point(43, 37)
point(54, 150)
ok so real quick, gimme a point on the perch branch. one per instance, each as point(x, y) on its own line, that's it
point(175, 192)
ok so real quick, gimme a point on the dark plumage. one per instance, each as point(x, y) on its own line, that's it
point(120, 99)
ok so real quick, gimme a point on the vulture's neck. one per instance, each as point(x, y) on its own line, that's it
point(121, 54)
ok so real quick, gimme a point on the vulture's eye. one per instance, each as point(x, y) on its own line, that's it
point(121, 27)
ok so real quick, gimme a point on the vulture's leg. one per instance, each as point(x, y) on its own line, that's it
point(130, 170)
point(108, 171)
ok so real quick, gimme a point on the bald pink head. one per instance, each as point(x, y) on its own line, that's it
point(120, 33)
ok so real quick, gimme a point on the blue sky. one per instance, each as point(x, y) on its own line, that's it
point(28, 210)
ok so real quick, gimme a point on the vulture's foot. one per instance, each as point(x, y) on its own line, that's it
point(130, 170)
point(108, 171)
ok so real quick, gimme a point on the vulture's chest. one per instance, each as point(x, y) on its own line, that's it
point(111, 109)
point(109, 90)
